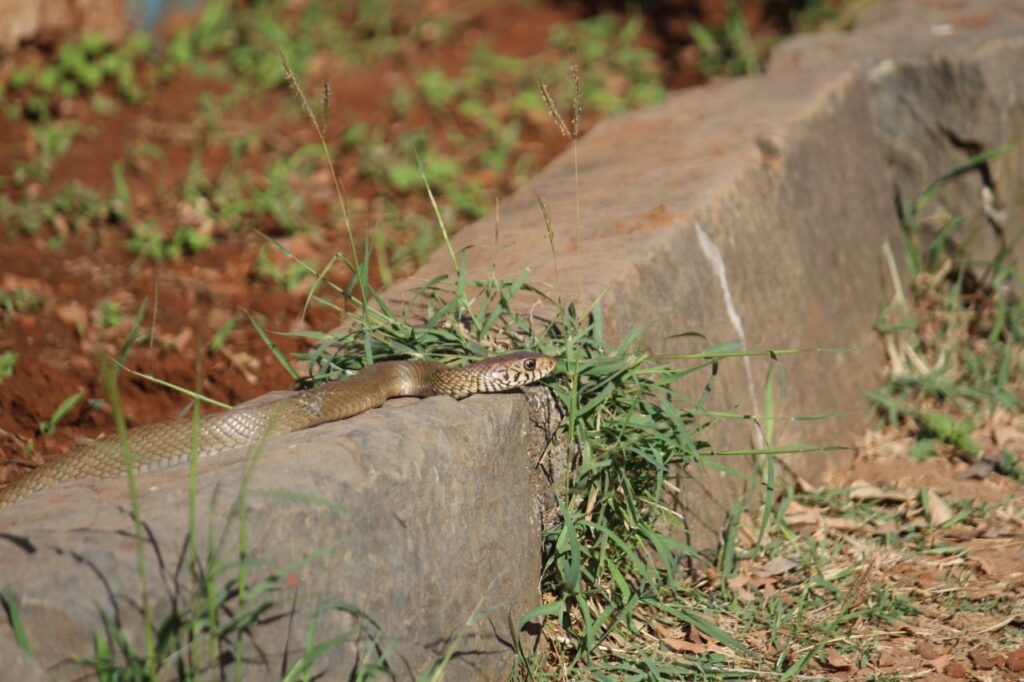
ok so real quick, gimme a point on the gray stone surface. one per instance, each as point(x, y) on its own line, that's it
point(419, 514)
point(753, 210)
point(757, 210)
point(946, 83)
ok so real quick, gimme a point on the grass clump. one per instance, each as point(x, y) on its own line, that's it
point(81, 68)
point(51, 141)
point(954, 344)
point(74, 209)
point(613, 547)
point(19, 300)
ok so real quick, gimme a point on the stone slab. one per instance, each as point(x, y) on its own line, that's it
point(751, 211)
point(757, 211)
point(946, 83)
point(420, 514)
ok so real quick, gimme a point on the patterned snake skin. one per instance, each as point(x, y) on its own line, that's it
point(165, 444)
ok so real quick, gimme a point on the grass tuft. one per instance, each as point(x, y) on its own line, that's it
point(954, 343)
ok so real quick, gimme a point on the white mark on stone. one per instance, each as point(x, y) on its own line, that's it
point(714, 257)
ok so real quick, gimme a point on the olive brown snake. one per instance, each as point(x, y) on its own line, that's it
point(165, 444)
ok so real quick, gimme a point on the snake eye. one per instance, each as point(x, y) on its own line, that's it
point(530, 364)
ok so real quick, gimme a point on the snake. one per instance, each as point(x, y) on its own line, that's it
point(161, 445)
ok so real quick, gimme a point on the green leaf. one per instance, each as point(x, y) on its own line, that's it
point(10, 604)
point(48, 426)
point(8, 359)
point(555, 608)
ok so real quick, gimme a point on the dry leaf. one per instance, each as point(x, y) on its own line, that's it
point(887, 659)
point(684, 647)
point(929, 650)
point(748, 531)
point(862, 490)
point(804, 519)
point(738, 585)
point(845, 524)
point(936, 509)
point(805, 486)
point(985, 566)
point(1004, 434)
point(738, 580)
point(796, 508)
point(776, 566)
point(836, 661)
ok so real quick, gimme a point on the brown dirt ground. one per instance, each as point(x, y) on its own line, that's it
point(980, 562)
point(959, 581)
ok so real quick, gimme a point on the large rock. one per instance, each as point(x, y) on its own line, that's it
point(420, 515)
point(757, 211)
point(752, 211)
point(946, 83)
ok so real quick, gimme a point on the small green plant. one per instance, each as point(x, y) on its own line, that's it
point(276, 197)
point(289, 276)
point(48, 426)
point(80, 69)
point(8, 360)
point(13, 609)
point(52, 142)
point(727, 50)
point(141, 155)
point(19, 300)
point(1008, 465)
point(616, 73)
point(402, 243)
point(109, 314)
point(73, 205)
point(149, 241)
point(220, 337)
point(122, 208)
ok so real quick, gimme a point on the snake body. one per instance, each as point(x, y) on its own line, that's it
point(166, 444)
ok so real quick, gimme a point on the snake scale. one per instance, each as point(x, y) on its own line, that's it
point(165, 444)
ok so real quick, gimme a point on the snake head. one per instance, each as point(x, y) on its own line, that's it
point(494, 375)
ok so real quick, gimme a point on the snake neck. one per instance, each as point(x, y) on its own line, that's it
point(413, 378)
point(452, 381)
point(491, 375)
